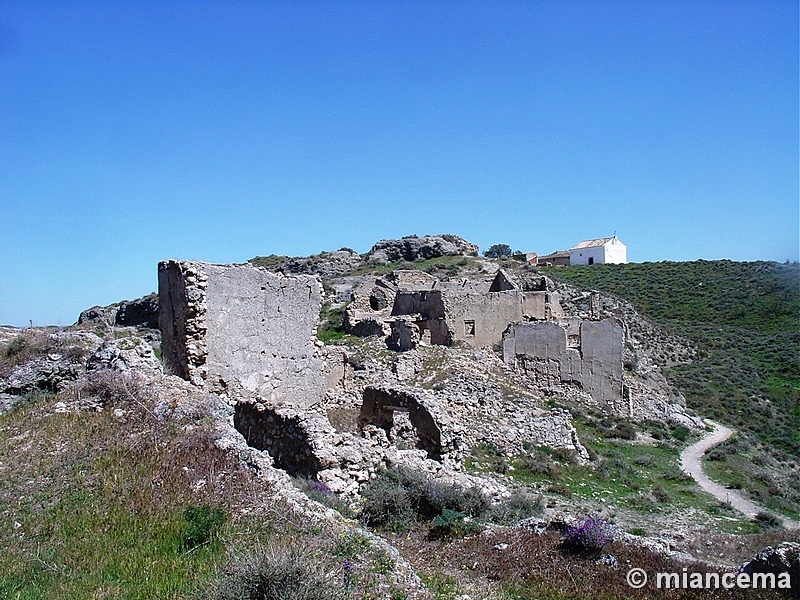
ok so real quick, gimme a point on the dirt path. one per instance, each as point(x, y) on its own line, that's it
point(690, 463)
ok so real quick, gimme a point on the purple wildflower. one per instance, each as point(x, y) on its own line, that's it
point(591, 536)
point(318, 486)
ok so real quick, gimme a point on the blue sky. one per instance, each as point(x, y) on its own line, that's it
point(132, 132)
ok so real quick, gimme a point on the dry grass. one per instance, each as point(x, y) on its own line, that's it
point(93, 503)
point(518, 563)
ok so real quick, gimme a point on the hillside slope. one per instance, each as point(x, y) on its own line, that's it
point(745, 318)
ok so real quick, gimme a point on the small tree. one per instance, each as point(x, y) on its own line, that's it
point(498, 251)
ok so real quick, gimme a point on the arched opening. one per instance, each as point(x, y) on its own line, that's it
point(379, 407)
point(283, 437)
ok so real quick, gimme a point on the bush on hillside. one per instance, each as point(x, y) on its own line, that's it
point(399, 497)
point(590, 536)
point(276, 573)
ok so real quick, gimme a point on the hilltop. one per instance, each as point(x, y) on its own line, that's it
point(396, 441)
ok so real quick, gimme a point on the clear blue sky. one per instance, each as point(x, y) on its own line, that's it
point(132, 132)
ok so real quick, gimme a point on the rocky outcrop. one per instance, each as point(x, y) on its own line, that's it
point(139, 313)
point(106, 315)
point(785, 559)
point(125, 354)
point(57, 360)
point(50, 373)
point(420, 248)
point(325, 264)
point(142, 312)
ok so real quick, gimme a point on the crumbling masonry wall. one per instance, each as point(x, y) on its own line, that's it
point(242, 331)
point(586, 354)
point(481, 318)
point(435, 431)
point(283, 436)
point(182, 319)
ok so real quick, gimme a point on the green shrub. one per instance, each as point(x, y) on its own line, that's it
point(768, 520)
point(351, 546)
point(681, 433)
point(331, 325)
point(623, 431)
point(675, 473)
point(660, 495)
point(387, 503)
point(520, 505)
point(202, 525)
point(397, 498)
point(452, 523)
point(539, 463)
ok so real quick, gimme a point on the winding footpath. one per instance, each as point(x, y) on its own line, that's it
point(691, 464)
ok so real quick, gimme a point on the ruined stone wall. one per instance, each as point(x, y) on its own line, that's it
point(181, 319)
point(481, 318)
point(427, 304)
point(436, 433)
point(242, 331)
point(284, 436)
point(535, 305)
point(463, 285)
point(409, 280)
point(586, 354)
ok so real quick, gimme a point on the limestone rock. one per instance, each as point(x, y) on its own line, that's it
point(51, 373)
point(99, 314)
point(325, 264)
point(62, 360)
point(783, 559)
point(142, 312)
point(125, 354)
point(415, 248)
point(8, 402)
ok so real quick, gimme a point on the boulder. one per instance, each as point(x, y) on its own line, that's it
point(325, 264)
point(783, 559)
point(414, 248)
point(142, 312)
point(50, 373)
point(99, 314)
point(125, 354)
point(8, 402)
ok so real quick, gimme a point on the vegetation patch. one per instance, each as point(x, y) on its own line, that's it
point(114, 503)
point(277, 572)
point(768, 477)
point(638, 476)
point(744, 318)
point(590, 536)
point(400, 499)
